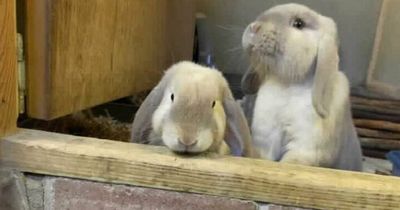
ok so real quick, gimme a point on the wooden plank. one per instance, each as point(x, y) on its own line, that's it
point(85, 53)
point(376, 143)
point(377, 124)
point(157, 167)
point(361, 114)
point(385, 104)
point(376, 109)
point(376, 153)
point(376, 106)
point(8, 68)
point(364, 132)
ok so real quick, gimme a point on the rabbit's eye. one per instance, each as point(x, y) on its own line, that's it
point(172, 97)
point(213, 104)
point(299, 23)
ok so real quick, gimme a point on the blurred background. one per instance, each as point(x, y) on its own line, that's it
point(356, 20)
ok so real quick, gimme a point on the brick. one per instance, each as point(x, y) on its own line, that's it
point(34, 191)
point(65, 194)
point(12, 191)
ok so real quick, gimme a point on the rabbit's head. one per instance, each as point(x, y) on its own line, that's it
point(292, 42)
point(192, 109)
point(190, 117)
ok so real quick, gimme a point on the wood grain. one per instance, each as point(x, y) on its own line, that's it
point(377, 124)
point(376, 109)
point(376, 143)
point(365, 132)
point(85, 53)
point(157, 167)
point(8, 68)
point(375, 153)
point(388, 104)
point(361, 114)
point(377, 106)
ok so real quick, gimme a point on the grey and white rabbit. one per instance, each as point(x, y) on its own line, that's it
point(296, 99)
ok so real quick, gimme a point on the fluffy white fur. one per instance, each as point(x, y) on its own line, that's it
point(301, 112)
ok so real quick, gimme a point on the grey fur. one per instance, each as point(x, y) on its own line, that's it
point(142, 124)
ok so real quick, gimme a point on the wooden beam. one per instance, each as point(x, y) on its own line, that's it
point(377, 124)
point(362, 114)
point(383, 104)
point(8, 68)
point(376, 143)
point(365, 132)
point(157, 167)
point(376, 106)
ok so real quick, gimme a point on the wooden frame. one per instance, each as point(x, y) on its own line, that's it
point(373, 85)
point(157, 167)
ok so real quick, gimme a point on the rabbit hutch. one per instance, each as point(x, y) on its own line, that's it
point(73, 73)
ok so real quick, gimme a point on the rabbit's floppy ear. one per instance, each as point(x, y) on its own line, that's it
point(252, 80)
point(142, 124)
point(327, 65)
point(237, 132)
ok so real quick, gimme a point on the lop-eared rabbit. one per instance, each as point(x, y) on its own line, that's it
point(296, 99)
point(192, 110)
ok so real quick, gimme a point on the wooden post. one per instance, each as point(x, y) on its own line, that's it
point(8, 68)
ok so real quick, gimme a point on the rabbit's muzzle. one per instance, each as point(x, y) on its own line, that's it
point(267, 45)
point(262, 40)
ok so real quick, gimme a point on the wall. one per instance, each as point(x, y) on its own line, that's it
point(356, 24)
point(387, 63)
point(37, 192)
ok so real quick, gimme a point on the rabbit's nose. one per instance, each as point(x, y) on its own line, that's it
point(255, 27)
point(187, 141)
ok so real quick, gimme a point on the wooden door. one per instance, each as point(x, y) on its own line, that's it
point(8, 68)
point(84, 53)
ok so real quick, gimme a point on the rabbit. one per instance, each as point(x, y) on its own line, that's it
point(192, 110)
point(295, 99)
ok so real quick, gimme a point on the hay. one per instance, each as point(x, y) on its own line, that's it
point(84, 124)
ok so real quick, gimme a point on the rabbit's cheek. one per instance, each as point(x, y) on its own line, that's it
point(205, 140)
point(170, 137)
point(248, 41)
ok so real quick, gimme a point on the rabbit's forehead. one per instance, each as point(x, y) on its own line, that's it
point(286, 13)
point(195, 90)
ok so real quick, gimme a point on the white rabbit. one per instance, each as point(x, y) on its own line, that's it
point(296, 99)
point(192, 110)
